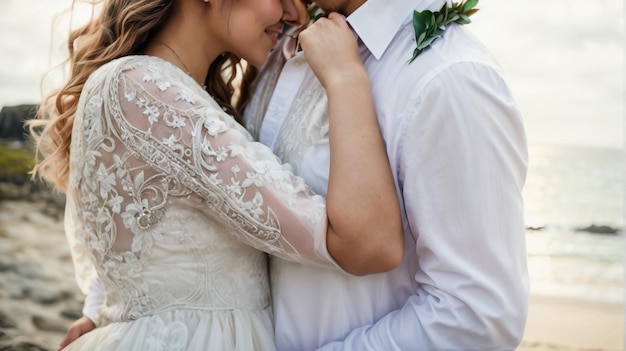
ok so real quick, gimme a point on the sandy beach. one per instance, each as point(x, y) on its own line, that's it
point(39, 298)
point(557, 323)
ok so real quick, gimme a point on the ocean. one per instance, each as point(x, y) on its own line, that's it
point(570, 188)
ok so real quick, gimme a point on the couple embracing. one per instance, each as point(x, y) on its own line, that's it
point(392, 216)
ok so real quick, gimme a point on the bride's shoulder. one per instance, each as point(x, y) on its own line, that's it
point(122, 64)
point(111, 70)
point(157, 78)
point(141, 66)
point(152, 75)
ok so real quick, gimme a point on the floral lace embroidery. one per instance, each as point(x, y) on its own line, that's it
point(306, 123)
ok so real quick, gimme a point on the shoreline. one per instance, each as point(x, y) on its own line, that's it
point(39, 295)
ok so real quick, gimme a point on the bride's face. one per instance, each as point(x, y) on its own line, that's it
point(252, 28)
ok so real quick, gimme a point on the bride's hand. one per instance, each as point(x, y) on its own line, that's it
point(82, 326)
point(331, 50)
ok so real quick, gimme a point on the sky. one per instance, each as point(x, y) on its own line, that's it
point(563, 59)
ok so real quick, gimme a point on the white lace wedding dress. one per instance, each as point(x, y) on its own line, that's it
point(169, 205)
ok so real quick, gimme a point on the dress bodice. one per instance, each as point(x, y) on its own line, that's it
point(187, 261)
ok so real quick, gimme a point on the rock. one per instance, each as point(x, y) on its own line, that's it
point(43, 296)
point(23, 346)
point(10, 288)
point(46, 324)
point(73, 313)
point(12, 120)
point(10, 191)
point(602, 229)
point(6, 321)
point(34, 192)
point(55, 206)
point(30, 270)
point(7, 267)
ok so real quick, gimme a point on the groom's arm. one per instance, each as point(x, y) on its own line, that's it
point(461, 174)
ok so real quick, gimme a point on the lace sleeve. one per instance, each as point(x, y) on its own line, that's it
point(181, 133)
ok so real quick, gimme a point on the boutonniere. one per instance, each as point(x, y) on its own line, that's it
point(430, 25)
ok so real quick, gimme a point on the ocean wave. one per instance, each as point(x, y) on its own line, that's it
point(598, 258)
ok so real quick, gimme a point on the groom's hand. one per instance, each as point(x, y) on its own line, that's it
point(82, 326)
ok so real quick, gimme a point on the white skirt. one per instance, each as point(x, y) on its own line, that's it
point(185, 329)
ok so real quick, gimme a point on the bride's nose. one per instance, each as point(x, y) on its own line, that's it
point(292, 15)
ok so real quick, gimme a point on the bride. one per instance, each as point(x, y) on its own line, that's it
point(171, 205)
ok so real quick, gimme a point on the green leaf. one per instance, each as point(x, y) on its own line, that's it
point(429, 26)
point(464, 19)
point(430, 31)
point(454, 18)
point(419, 22)
point(471, 12)
point(469, 4)
point(421, 39)
point(427, 42)
point(416, 53)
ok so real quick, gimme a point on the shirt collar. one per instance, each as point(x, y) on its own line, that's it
point(376, 22)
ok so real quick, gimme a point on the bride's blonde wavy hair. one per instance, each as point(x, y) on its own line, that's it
point(124, 27)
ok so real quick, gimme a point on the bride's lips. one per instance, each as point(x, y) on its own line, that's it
point(274, 34)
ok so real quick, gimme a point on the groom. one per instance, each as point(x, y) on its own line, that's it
point(456, 144)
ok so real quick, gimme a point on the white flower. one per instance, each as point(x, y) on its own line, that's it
point(106, 180)
point(214, 126)
point(169, 142)
point(90, 162)
point(130, 95)
point(185, 95)
point(214, 179)
point(120, 166)
point(162, 85)
point(234, 189)
point(178, 122)
point(115, 203)
point(152, 112)
point(221, 155)
point(148, 77)
point(236, 150)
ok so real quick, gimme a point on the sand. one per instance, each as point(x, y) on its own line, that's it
point(559, 323)
point(35, 258)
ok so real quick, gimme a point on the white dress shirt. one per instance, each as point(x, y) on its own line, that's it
point(457, 148)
